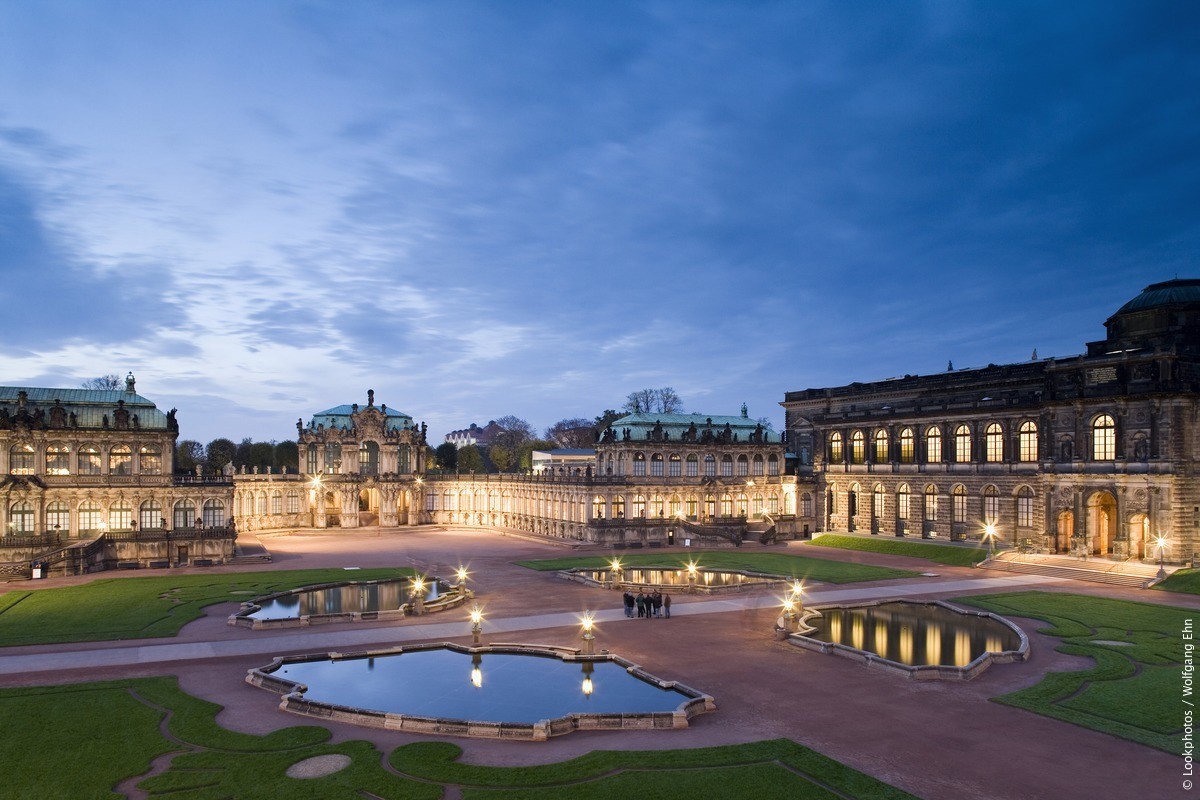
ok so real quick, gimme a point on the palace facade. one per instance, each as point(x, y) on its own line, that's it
point(1095, 453)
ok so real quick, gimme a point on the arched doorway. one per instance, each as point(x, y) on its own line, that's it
point(1066, 529)
point(852, 507)
point(1101, 522)
point(368, 500)
point(1139, 535)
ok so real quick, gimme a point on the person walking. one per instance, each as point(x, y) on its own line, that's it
point(656, 600)
point(666, 601)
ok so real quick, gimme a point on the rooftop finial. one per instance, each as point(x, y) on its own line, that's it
point(370, 397)
point(745, 411)
point(129, 383)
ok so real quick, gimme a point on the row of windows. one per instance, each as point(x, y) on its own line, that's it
point(1103, 443)
point(639, 505)
point(368, 458)
point(958, 503)
point(22, 459)
point(258, 503)
point(677, 467)
point(91, 516)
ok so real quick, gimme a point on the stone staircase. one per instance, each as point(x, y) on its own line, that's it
point(250, 552)
point(1095, 570)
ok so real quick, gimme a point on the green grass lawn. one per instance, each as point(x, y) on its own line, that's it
point(816, 569)
point(81, 741)
point(136, 608)
point(938, 553)
point(1134, 691)
point(1185, 580)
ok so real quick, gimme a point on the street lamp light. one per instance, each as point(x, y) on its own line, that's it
point(589, 639)
point(614, 567)
point(692, 570)
point(418, 595)
point(1161, 542)
point(989, 531)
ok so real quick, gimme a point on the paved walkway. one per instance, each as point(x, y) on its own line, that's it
point(310, 640)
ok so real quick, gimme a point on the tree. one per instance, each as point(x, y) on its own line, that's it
point(575, 432)
point(446, 455)
point(765, 422)
point(287, 454)
point(188, 454)
point(503, 457)
point(654, 401)
point(218, 453)
point(513, 432)
point(470, 459)
point(241, 454)
point(262, 455)
point(107, 382)
point(607, 418)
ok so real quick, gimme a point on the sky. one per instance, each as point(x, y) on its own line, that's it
point(479, 209)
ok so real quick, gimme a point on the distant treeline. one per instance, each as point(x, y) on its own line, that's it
point(213, 457)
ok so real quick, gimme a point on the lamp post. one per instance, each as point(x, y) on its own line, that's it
point(476, 623)
point(798, 595)
point(615, 571)
point(1161, 542)
point(462, 574)
point(692, 568)
point(989, 531)
point(589, 639)
point(418, 595)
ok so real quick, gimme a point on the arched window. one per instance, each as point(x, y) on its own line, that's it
point(598, 507)
point(772, 464)
point(676, 506)
point(743, 466)
point(962, 444)
point(89, 460)
point(991, 505)
point(858, 447)
point(693, 466)
point(933, 445)
point(958, 503)
point(58, 460)
point(150, 515)
point(639, 464)
point(120, 516)
point(1104, 438)
point(726, 466)
point(1027, 442)
point(120, 460)
point(931, 503)
point(90, 516)
point(404, 459)
point(58, 517)
point(993, 440)
point(21, 518)
point(150, 459)
point(639, 506)
point(333, 457)
point(757, 465)
point(710, 466)
point(656, 465)
point(726, 506)
point(277, 502)
point(710, 506)
point(184, 515)
point(902, 501)
point(835, 446)
point(881, 446)
point(618, 507)
point(214, 513)
point(674, 466)
point(831, 500)
point(907, 446)
point(657, 508)
point(877, 501)
point(1024, 507)
point(741, 505)
point(692, 506)
point(772, 503)
point(20, 459)
point(310, 459)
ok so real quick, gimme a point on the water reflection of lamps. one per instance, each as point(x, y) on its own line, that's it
point(476, 672)
point(589, 639)
point(418, 595)
point(588, 667)
point(476, 622)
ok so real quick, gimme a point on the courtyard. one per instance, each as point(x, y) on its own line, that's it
point(790, 716)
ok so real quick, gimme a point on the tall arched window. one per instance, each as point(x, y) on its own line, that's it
point(597, 507)
point(902, 501)
point(806, 505)
point(90, 516)
point(962, 444)
point(20, 459)
point(639, 506)
point(757, 465)
point(1104, 438)
point(881, 446)
point(618, 506)
point(726, 466)
point(58, 517)
point(993, 439)
point(120, 516)
point(21, 518)
point(639, 465)
point(120, 460)
point(742, 505)
point(184, 515)
point(333, 457)
point(656, 465)
point(1027, 442)
point(1025, 507)
point(933, 445)
point(743, 466)
point(276, 502)
point(958, 504)
point(150, 459)
point(710, 506)
point(991, 505)
point(150, 515)
point(931, 503)
point(674, 466)
point(214, 513)
point(858, 447)
point(726, 506)
point(693, 466)
point(676, 507)
point(907, 446)
point(89, 460)
point(772, 464)
point(58, 460)
point(657, 508)
point(877, 502)
point(835, 446)
point(710, 466)
point(310, 459)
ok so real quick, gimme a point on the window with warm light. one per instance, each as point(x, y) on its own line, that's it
point(1025, 507)
point(88, 460)
point(858, 447)
point(902, 498)
point(907, 446)
point(877, 501)
point(931, 503)
point(881, 446)
point(150, 459)
point(962, 444)
point(58, 460)
point(993, 440)
point(58, 516)
point(835, 446)
point(1027, 442)
point(639, 506)
point(933, 445)
point(991, 505)
point(20, 459)
point(958, 503)
point(214, 513)
point(1104, 438)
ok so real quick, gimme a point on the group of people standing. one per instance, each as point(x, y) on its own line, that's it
point(654, 604)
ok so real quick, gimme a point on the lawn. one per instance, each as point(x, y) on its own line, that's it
point(1184, 580)
point(1134, 691)
point(210, 763)
point(815, 569)
point(137, 608)
point(938, 553)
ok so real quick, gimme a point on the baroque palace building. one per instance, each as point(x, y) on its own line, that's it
point(1091, 454)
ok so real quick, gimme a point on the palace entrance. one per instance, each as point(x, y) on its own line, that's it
point(1101, 522)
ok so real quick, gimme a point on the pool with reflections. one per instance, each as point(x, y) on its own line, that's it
point(349, 598)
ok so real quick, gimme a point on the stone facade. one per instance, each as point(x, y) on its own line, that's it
point(1095, 453)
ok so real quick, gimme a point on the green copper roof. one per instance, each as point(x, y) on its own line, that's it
point(641, 424)
point(339, 417)
point(1185, 291)
point(89, 406)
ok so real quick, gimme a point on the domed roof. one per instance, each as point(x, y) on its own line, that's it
point(1181, 291)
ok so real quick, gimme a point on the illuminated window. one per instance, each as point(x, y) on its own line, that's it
point(991, 505)
point(120, 516)
point(639, 464)
point(89, 460)
point(1104, 438)
point(277, 502)
point(993, 440)
point(931, 503)
point(293, 502)
point(726, 506)
point(693, 466)
point(150, 459)
point(858, 447)
point(639, 506)
point(618, 506)
point(958, 503)
point(333, 457)
point(656, 505)
point(902, 501)
point(1025, 507)
point(962, 444)
point(877, 502)
point(881, 445)
point(835, 446)
point(741, 505)
point(20, 459)
point(1027, 442)
point(58, 460)
point(449, 501)
point(598, 507)
point(656, 465)
point(907, 446)
point(674, 467)
point(676, 506)
point(710, 506)
point(933, 445)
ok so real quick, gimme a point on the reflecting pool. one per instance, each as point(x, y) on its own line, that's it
point(914, 634)
point(487, 687)
point(349, 598)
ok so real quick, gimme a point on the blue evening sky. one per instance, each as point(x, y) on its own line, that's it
point(263, 209)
